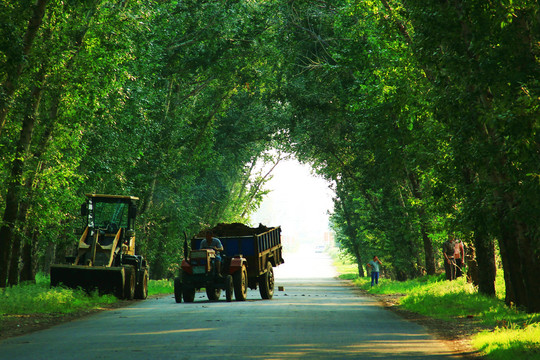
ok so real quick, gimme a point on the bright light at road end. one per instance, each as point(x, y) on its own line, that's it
point(300, 203)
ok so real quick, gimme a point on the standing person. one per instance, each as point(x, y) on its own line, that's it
point(459, 257)
point(374, 266)
point(211, 242)
point(449, 261)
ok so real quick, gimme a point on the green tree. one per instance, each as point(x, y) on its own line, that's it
point(485, 67)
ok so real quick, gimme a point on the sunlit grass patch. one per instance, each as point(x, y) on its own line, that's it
point(452, 299)
point(387, 286)
point(457, 301)
point(39, 298)
point(345, 266)
point(156, 287)
point(516, 334)
point(510, 342)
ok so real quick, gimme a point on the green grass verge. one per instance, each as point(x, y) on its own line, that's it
point(514, 335)
point(159, 287)
point(514, 342)
point(40, 298)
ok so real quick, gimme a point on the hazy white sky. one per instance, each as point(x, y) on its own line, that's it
point(298, 202)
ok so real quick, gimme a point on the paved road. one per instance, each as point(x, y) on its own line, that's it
point(313, 318)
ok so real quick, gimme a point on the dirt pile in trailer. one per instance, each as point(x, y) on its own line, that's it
point(235, 229)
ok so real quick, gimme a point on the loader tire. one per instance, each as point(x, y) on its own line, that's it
point(141, 290)
point(240, 284)
point(178, 289)
point(266, 282)
point(116, 285)
point(129, 285)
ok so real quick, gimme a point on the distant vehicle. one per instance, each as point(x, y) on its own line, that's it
point(320, 249)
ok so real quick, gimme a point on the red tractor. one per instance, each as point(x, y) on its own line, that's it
point(248, 258)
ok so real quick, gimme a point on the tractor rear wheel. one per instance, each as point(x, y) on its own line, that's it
point(240, 284)
point(213, 293)
point(188, 294)
point(266, 282)
point(178, 289)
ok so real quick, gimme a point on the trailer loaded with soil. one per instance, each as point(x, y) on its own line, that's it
point(248, 258)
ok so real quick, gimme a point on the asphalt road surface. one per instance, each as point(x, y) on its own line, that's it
point(314, 317)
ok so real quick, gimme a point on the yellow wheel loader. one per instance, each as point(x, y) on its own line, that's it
point(105, 259)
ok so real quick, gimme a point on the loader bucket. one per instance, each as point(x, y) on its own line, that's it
point(107, 280)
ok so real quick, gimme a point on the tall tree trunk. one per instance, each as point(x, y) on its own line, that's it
point(483, 243)
point(13, 275)
point(28, 270)
point(530, 260)
point(429, 254)
point(10, 85)
point(13, 195)
point(485, 256)
point(359, 261)
point(50, 122)
point(521, 262)
point(351, 234)
point(15, 261)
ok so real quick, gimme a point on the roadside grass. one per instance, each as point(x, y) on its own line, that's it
point(514, 342)
point(40, 298)
point(160, 287)
point(514, 334)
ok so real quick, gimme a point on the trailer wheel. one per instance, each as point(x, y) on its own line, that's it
point(229, 288)
point(240, 284)
point(266, 282)
point(188, 294)
point(178, 289)
point(141, 289)
point(213, 293)
point(129, 285)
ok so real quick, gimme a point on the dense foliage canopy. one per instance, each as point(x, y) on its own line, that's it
point(425, 115)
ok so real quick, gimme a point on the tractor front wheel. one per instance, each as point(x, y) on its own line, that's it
point(178, 289)
point(213, 293)
point(188, 294)
point(229, 288)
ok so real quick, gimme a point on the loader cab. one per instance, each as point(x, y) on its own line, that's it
point(112, 211)
point(109, 215)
